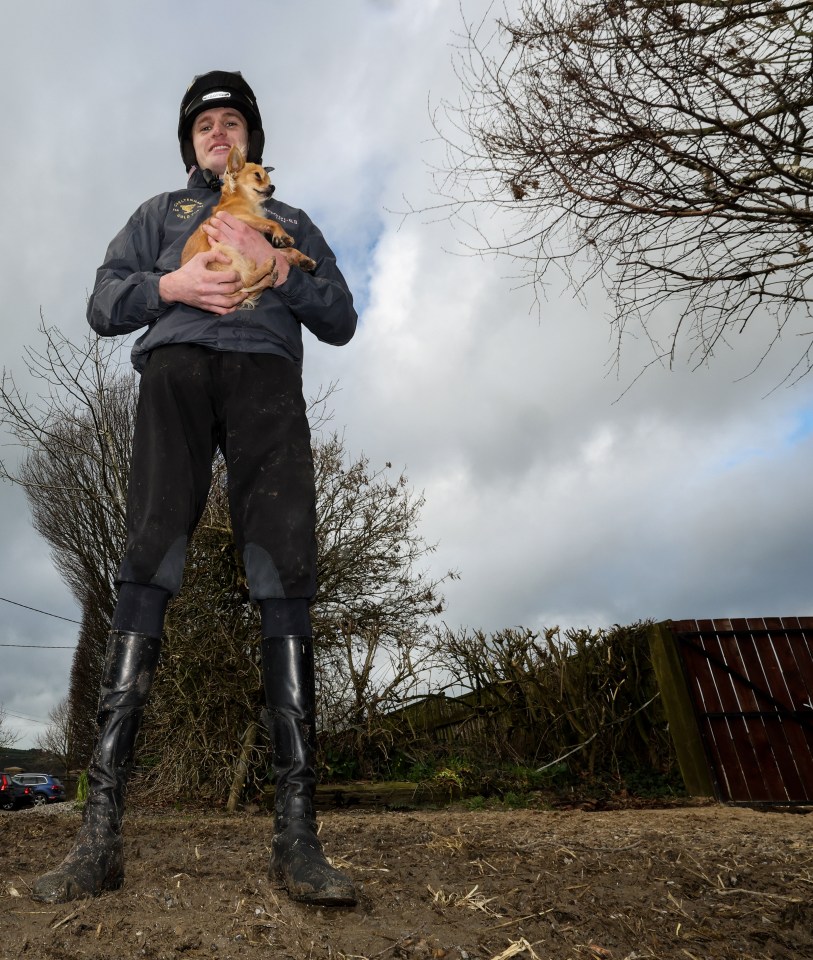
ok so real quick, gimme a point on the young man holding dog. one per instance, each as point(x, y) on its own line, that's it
point(214, 376)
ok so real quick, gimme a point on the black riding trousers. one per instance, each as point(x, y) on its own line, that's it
point(193, 400)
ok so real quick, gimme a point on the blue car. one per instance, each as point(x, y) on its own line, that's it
point(44, 788)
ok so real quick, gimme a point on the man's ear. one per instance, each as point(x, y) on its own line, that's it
point(236, 160)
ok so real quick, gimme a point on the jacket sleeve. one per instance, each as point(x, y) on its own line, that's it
point(321, 300)
point(125, 295)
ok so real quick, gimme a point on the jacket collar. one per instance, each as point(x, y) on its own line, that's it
point(203, 179)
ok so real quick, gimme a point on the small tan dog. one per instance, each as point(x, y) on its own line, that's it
point(245, 187)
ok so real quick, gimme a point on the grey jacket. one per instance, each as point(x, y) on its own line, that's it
point(125, 296)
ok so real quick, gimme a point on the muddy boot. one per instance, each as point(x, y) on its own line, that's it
point(95, 863)
point(297, 858)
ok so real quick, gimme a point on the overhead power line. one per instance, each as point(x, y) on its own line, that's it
point(38, 646)
point(16, 716)
point(45, 613)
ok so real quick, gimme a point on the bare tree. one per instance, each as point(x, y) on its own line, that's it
point(375, 604)
point(8, 737)
point(58, 736)
point(663, 146)
point(76, 437)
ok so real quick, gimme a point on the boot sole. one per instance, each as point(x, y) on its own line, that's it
point(338, 897)
point(57, 897)
point(324, 899)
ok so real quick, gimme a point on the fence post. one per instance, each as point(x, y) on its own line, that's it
point(679, 710)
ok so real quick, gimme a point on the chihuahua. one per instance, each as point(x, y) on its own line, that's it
point(245, 187)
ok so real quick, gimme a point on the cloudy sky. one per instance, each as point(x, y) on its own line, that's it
point(559, 497)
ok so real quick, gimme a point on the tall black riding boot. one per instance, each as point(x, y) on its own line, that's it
point(297, 858)
point(95, 863)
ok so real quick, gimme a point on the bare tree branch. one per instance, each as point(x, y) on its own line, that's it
point(661, 147)
point(8, 737)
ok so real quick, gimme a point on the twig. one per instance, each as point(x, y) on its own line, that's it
point(581, 746)
point(530, 916)
point(759, 893)
point(393, 946)
point(521, 946)
point(67, 919)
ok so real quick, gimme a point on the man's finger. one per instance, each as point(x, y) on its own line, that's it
point(229, 219)
point(210, 256)
point(230, 283)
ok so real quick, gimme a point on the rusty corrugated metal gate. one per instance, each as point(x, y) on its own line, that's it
point(751, 682)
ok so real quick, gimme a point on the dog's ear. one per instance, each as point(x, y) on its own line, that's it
point(236, 160)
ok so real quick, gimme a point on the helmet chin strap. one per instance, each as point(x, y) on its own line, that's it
point(213, 181)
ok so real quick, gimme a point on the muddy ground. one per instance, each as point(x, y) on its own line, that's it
point(695, 881)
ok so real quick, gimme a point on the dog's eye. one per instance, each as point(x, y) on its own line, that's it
point(257, 176)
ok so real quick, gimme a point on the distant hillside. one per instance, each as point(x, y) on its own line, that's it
point(32, 761)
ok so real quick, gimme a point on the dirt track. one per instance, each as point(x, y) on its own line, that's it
point(693, 882)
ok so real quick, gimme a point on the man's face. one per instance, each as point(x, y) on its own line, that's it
point(214, 133)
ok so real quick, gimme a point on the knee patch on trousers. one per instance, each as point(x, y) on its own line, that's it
point(169, 573)
point(261, 572)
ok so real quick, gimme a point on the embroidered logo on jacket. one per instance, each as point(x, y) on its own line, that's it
point(281, 219)
point(186, 207)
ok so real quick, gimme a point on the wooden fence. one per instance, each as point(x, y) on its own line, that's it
point(739, 696)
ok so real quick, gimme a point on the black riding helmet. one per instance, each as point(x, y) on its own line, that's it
point(220, 88)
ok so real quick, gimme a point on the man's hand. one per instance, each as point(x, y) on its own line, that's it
point(217, 291)
point(225, 228)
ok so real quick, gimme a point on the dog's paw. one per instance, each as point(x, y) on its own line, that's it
point(282, 240)
point(307, 264)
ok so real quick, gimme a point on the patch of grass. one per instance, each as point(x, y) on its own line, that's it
point(515, 801)
point(419, 772)
point(339, 765)
point(653, 785)
point(452, 781)
point(82, 789)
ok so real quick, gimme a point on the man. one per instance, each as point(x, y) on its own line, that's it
point(213, 375)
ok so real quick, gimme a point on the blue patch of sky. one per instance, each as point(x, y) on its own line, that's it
point(354, 251)
point(801, 428)
point(797, 429)
point(742, 456)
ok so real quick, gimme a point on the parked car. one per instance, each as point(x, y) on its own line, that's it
point(14, 795)
point(44, 788)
